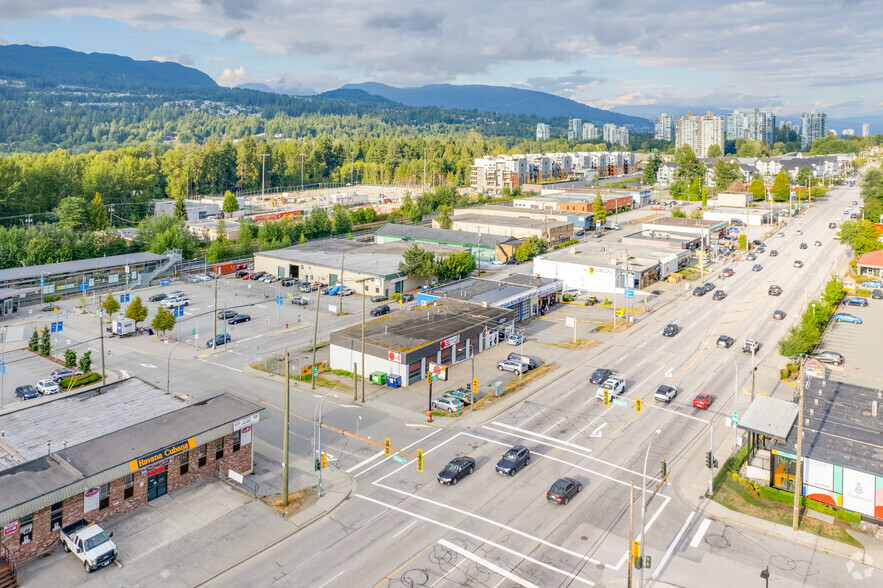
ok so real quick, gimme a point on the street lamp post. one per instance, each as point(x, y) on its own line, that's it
point(302, 171)
point(644, 506)
point(169, 366)
point(317, 437)
point(735, 396)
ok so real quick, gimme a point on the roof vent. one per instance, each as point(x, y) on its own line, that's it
point(484, 305)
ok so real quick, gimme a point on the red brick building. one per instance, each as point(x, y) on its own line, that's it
point(138, 444)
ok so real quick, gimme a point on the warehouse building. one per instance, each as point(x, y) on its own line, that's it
point(483, 246)
point(554, 231)
point(752, 217)
point(526, 295)
point(103, 452)
point(444, 332)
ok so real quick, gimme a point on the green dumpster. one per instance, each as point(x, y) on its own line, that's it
point(378, 378)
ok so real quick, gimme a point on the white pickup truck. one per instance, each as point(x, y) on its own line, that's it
point(90, 543)
point(614, 386)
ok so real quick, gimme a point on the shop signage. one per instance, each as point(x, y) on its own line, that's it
point(245, 439)
point(395, 356)
point(151, 458)
point(10, 528)
point(244, 422)
point(450, 341)
point(90, 500)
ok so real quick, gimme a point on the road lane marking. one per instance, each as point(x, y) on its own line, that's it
point(333, 579)
point(540, 435)
point(222, 365)
point(453, 568)
point(487, 564)
point(398, 569)
point(597, 432)
point(366, 462)
point(403, 530)
point(669, 373)
point(671, 547)
point(697, 538)
point(478, 538)
point(250, 338)
point(421, 440)
point(148, 365)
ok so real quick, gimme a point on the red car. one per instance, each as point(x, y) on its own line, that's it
point(727, 273)
point(703, 400)
point(247, 276)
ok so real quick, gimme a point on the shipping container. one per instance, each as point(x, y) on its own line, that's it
point(224, 268)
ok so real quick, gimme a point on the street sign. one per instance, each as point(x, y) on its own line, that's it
point(279, 300)
point(569, 322)
point(735, 418)
point(400, 459)
point(630, 292)
point(619, 402)
point(267, 320)
point(315, 370)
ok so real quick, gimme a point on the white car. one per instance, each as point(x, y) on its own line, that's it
point(799, 231)
point(48, 386)
point(176, 303)
point(614, 386)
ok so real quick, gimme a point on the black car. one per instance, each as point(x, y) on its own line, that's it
point(580, 233)
point(239, 318)
point(563, 490)
point(803, 245)
point(456, 469)
point(407, 297)
point(241, 273)
point(380, 310)
point(379, 298)
point(708, 287)
point(530, 362)
point(698, 291)
point(599, 375)
point(226, 314)
point(773, 253)
point(221, 339)
point(157, 297)
point(27, 392)
point(670, 330)
point(758, 243)
point(719, 295)
point(724, 341)
point(513, 460)
point(257, 275)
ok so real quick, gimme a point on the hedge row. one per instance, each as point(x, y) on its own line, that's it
point(733, 464)
point(79, 380)
point(565, 244)
point(783, 497)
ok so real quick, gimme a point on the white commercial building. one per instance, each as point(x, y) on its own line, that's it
point(664, 127)
point(574, 129)
point(492, 174)
point(590, 132)
point(753, 217)
point(700, 132)
point(544, 131)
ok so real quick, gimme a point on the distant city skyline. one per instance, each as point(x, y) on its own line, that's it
point(783, 59)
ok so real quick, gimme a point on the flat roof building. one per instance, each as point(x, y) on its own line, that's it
point(753, 217)
point(480, 245)
point(526, 295)
point(552, 230)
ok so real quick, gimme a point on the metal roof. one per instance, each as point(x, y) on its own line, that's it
point(492, 291)
point(509, 221)
point(78, 266)
point(769, 416)
point(462, 238)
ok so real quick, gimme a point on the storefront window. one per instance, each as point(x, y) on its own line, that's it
point(55, 516)
point(219, 448)
point(784, 472)
point(185, 462)
point(103, 497)
point(201, 455)
point(237, 440)
point(129, 486)
point(25, 529)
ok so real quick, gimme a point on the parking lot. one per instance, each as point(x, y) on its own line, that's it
point(861, 360)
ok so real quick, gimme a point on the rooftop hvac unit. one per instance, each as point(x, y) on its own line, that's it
point(484, 304)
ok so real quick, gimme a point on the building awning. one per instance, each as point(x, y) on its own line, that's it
point(770, 417)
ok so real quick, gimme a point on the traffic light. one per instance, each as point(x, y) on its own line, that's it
point(708, 459)
point(387, 446)
point(664, 469)
point(317, 465)
point(639, 405)
point(474, 385)
point(636, 549)
point(324, 460)
point(419, 460)
point(606, 398)
point(647, 562)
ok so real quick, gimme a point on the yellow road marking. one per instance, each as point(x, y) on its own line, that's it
point(398, 569)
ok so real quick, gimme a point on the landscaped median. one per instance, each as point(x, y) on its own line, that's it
point(77, 381)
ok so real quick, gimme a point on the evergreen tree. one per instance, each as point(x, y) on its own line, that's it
point(231, 204)
point(70, 358)
point(34, 341)
point(180, 208)
point(86, 362)
point(650, 170)
point(46, 341)
point(98, 218)
point(136, 311)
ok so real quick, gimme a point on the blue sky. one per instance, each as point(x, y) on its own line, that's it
point(787, 57)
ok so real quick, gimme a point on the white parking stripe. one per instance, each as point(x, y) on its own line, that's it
point(697, 538)
point(485, 563)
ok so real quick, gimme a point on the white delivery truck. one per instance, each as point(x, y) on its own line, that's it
point(123, 327)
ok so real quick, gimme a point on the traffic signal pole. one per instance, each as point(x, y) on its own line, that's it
point(285, 427)
point(631, 533)
point(711, 452)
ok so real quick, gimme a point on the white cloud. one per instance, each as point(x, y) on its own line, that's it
point(232, 77)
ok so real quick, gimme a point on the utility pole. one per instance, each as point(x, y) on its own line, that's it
point(364, 295)
point(263, 169)
point(352, 166)
point(753, 347)
point(355, 381)
point(340, 281)
point(424, 169)
point(286, 430)
point(631, 563)
point(215, 320)
point(101, 332)
point(798, 480)
point(302, 171)
point(711, 452)
point(314, 371)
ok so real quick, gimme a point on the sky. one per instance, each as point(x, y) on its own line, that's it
point(784, 56)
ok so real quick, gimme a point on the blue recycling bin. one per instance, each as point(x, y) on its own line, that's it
point(393, 380)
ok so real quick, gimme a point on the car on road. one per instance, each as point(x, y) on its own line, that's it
point(226, 314)
point(665, 393)
point(513, 460)
point(379, 310)
point(406, 297)
point(563, 490)
point(758, 243)
point(775, 290)
point(238, 318)
point(750, 345)
point(47, 386)
point(457, 468)
point(751, 257)
point(157, 297)
point(708, 287)
point(842, 317)
point(779, 314)
point(448, 403)
point(511, 366)
point(798, 263)
point(832, 225)
point(379, 298)
point(877, 294)
point(803, 246)
point(780, 234)
point(27, 392)
point(829, 357)
point(670, 330)
point(726, 273)
point(817, 243)
point(703, 401)
point(599, 375)
point(799, 232)
point(300, 301)
point(698, 291)
point(515, 339)
point(756, 267)
point(855, 301)
point(613, 387)
point(61, 373)
point(719, 295)
point(724, 341)
point(773, 253)
point(221, 339)
point(760, 249)
point(525, 360)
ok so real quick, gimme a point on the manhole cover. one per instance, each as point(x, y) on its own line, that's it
point(781, 562)
point(717, 541)
point(583, 538)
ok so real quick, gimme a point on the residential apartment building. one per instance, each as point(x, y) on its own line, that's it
point(866, 130)
point(590, 132)
point(492, 174)
point(700, 132)
point(544, 131)
point(752, 126)
point(574, 129)
point(664, 127)
point(813, 125)
point(614, 135)
point(848, 132)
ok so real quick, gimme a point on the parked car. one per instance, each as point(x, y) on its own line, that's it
point(221, 339)
point(703, 401)
point(719, 295)
point(599, 375)
point(511, 366)
point(563, 490)
point(580, 233)
point(287, 282)
point(47, 386)
point(513, 460)
point(758, 243)
point(613, 387)
point(90, 543)
point(257, 276)
point(829, 357)
point(176, 294)
point(307, 288)
point(665, 393)
point(525, 360)
point(855, 301)
point(407, 297)
point(457, 468)
point(773, 253)
point(379, 310)
point(877, 294)
point(515, 339)
point(462, 394)
point(176, 302)
point(157, 297)
point(670, 330)
point(872, 284)
point(239, 318)
point(379, 298)
point(842, 317)
point(724, 341)
point(300, 301)
point(779, 314)
point(61, 373)
point(448, 403)
point(757, 267)
point(775, 290)
point(27, 392)
point(726, 273)
point(241, 273)
point(226, 314)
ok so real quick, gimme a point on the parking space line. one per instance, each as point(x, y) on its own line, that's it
point(477, 538)
point(487, 564)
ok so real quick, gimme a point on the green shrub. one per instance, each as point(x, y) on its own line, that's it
point(732, 465)
point(70, 358)
point(395, 296)
point(793, 368)
point(52, 298)
point(784, 374)
point(79, 380)
point(567, 298)
point(565, 244)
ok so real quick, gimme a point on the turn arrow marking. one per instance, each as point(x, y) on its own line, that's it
point(597, 432)
point(669, 373)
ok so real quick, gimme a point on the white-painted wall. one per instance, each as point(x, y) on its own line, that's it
point(576, 275)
